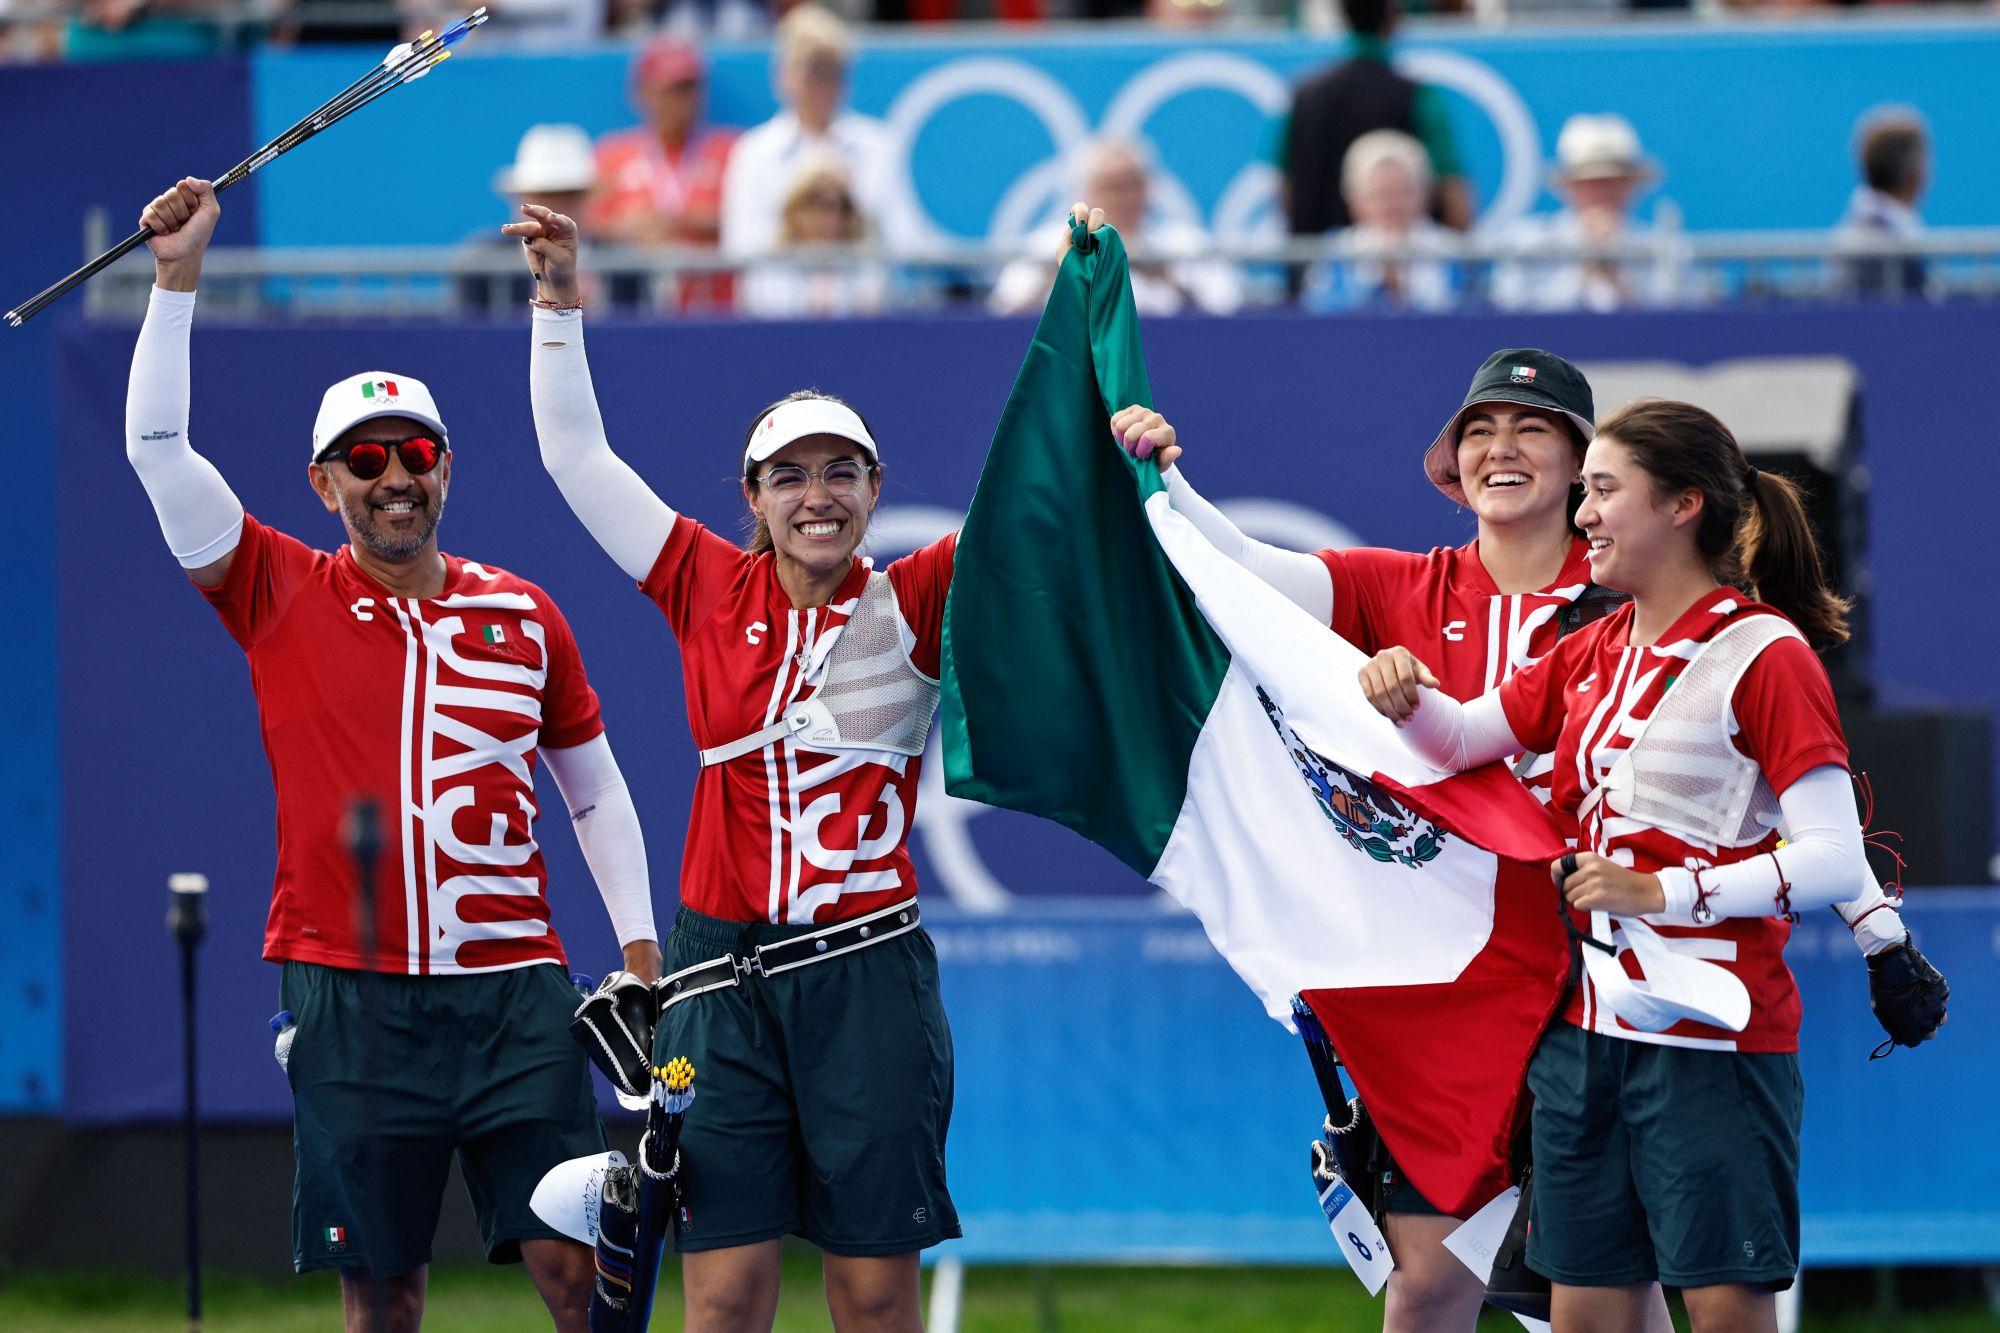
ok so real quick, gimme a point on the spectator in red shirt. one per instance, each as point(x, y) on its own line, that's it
point(660, 183)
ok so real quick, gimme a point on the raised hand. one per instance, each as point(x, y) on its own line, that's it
point(182, 221)
point(1144, 433)
point(550, 239)
point(1390, 681)
point(1078, 213)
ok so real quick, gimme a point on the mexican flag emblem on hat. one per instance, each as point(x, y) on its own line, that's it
point(1528, 376)
point(371, 394)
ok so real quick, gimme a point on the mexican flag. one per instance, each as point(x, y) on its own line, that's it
point(1106, 667)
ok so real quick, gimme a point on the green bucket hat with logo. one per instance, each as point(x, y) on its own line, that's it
point(1527, 376)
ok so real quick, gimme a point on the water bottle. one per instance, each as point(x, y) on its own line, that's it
point(282, 1024)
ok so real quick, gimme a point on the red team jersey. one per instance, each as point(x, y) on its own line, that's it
point(435, 708)
point(787, 834)
point(1585, 700)
point(1445, 608)
point(638, 178)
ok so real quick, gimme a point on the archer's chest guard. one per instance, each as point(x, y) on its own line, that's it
point(1683, 774)
point(869, 695)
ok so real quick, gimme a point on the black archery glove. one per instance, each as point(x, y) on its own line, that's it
point(1907, 994)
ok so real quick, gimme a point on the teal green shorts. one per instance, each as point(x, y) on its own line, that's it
point(1663, 1163)
point(822, 1095)
point(482, 1065)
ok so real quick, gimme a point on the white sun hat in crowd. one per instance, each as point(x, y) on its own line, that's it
point(1601, 147)
point(551, 159)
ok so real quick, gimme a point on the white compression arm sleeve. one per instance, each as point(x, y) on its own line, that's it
point(1872, 917)
point(607, 829)
point(1303, 578)
point(199, 515)
point(1821, 860)
point(1447, 734)
point(621, 511)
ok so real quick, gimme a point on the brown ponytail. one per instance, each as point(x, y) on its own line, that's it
point(1753, 529)
point(1785, 564)
point(759, 542)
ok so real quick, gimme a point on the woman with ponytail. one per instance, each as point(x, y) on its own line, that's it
point(1691, 728)
point(1510, 455)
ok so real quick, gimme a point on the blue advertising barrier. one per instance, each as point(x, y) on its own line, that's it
point(988, 127)
point(1150, 1111)
point(1311, 431)
point(72, 132)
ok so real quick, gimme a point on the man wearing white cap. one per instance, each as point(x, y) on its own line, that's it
point(390, 672)
point(1601, 172)
point(800, 982)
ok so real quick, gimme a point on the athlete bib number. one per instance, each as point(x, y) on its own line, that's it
point(1360, 1240)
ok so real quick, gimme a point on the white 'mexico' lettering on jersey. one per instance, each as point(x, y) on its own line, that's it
point(812, 847)
point(453, 930)
point(432, 793)
point(813, 818)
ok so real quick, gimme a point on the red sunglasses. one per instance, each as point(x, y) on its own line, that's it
point(369, 459)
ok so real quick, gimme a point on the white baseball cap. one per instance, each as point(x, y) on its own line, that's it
point(802, 417)
point(372, 394)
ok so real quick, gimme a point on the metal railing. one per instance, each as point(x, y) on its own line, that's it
point(1705, 270)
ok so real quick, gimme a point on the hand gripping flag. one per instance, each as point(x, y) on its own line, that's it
point(1107, 668)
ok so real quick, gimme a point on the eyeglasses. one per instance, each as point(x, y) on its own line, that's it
point(842, 477)
point(369, 459)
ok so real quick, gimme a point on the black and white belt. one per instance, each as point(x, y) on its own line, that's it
point(785, 955)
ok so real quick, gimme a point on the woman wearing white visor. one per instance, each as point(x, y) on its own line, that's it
point(799, 981)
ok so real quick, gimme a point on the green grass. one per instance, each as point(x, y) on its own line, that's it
point(997, 1300)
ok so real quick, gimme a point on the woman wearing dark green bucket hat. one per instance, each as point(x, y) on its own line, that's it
point(1474, 614)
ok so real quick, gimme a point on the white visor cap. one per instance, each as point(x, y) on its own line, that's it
point(801, 418)
point(371, 394)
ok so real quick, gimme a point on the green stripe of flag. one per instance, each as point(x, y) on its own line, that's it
point(1078, 672)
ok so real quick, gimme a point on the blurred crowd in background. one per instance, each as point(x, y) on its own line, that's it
point(1368, 166)
point(791, 217)
point(91, 28)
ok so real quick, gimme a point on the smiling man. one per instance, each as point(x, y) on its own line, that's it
point(390, 671)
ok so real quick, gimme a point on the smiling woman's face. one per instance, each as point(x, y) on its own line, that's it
point(1633, 530)
point(1516, 463)
point(817, 529)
